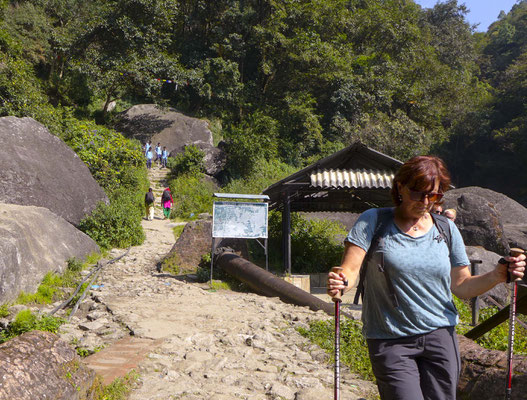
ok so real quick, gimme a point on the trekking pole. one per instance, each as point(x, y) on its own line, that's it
point(512, 318)
point(337, 299)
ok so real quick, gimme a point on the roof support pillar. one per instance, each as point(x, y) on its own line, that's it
point(286, 233)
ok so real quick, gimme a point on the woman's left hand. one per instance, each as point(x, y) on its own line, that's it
point(515, 266)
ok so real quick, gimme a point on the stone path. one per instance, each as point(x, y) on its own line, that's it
point(189, 342)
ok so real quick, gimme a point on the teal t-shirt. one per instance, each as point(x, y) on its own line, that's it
point(419, 269)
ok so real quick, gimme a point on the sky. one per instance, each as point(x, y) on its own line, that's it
point(484, 12)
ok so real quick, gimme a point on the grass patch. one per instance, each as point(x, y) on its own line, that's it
point(45, 293)
point(120, 388)
point(4, 310)
point(52, 286)
point(172, 265)
point(83, 352)
point(220, 285)
point(353, 348)
point(497, 338)
point(177, 230)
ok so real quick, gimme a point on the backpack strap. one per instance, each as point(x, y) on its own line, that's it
point(384, 217)
point(443, 226)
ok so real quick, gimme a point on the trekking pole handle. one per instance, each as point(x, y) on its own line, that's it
point(514, 252)
point(337, 297)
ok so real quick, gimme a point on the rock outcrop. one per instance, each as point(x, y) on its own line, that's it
point(34, 241)
point(480, 223)
point(487, 218)
point(39, 169)
point(484, 372)
point(39, 365)
point(173, 130)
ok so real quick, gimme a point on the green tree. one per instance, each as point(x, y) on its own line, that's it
point(123, 49)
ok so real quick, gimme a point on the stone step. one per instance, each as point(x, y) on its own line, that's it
point(121, 357)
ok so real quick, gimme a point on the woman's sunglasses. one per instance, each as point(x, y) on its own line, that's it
point(420, 196)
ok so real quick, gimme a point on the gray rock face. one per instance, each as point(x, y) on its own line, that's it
point(494, 210)
point(478, 221)
point(483, 373)
point(39, 169)
point(38, 365)
point(34, 241)
point(173, 130)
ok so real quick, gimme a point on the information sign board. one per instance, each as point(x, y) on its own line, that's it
point(239, 220)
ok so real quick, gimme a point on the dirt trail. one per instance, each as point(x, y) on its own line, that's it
point(206, 344)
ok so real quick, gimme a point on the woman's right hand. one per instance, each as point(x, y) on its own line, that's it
point(337, 282)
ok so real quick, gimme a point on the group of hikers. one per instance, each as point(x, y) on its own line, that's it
point(166, 203)
point(161, 155)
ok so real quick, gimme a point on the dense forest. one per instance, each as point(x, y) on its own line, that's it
point(288, 81)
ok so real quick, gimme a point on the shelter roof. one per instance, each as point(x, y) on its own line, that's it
point(353, 179)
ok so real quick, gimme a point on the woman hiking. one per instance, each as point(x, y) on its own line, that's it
point(166, 202)
point(408, 314)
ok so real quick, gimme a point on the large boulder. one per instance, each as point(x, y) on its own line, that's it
point(34, 241)
point(172, 129)
point(38, 365)
point(39, 169)
point(478, 221)
point(483, 373)
point(503, 219)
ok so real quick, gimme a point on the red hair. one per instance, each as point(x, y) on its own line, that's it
point(420, 173)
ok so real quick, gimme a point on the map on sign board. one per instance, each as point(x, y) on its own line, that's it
point(239, 220)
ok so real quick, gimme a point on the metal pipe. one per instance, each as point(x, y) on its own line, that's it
point(264, 282)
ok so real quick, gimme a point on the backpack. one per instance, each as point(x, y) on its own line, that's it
point(166, 196)
point(149, 198)
point(384, 217)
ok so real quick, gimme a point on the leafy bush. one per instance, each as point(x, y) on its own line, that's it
point(192, 194)
point(316, 245)
point(117, 224)
point(190, 162)
point(110, 156)
point(26, 321)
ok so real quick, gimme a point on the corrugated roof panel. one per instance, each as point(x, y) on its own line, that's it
point(351, 179)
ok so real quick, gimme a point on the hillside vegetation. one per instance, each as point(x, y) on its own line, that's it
point(289, 81)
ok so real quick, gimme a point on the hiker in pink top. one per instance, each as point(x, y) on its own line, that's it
point(166, 202)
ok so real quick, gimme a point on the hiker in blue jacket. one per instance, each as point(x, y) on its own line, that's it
point(149, 157)
point(164, 157)
point(158, 154)
point(414, 267)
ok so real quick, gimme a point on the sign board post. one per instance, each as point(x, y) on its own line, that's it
point(240, 220)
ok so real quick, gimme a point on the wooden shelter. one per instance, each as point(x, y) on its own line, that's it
point(352, 180)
